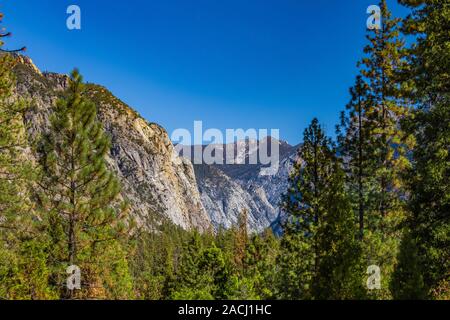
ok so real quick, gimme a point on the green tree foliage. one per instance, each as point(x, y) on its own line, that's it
point(355, 146)
point(340, 270)
point(260, 265)
point(84, 218)
point(374, 146)
point(370, 135)
point(23, 270)
point(205, 272)
point(380, 197)
point(14, 168)
point(320, 256)
point(407, 281)
point(172, 263)
point(303, 204)
point(385, 59)
point(156, 261)
point(428, 180)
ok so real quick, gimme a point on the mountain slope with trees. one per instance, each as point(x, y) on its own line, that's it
point(74, 161)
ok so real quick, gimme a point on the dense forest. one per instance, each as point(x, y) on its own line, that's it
point(375, 198)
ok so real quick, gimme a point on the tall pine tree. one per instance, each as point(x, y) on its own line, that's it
point(428, 180)
point(340, 271)
point(23, 270)
point(356, 150)
point(84, 219)
point(374, 146)
point(319, 238)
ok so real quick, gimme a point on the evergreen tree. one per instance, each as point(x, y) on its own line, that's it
point(340, 271)
point(370, 136)
point(387, 105)
point(217, 274)
point(240, 240)
point(428, 182)
point(14, 169)
point(156, 261)
point(407, 281)
point(23, 270)
point(3, 35)
point(260, 265)
point(375, 148)
point(191, 284)
point(356, 149)
point(303, 205)
point(320, 257)
point(84, 219)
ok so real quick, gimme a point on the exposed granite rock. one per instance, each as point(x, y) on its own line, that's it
point(156, 181)
point(226, 190)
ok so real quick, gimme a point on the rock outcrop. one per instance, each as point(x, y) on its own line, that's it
point(157, 182)
point(227, 190)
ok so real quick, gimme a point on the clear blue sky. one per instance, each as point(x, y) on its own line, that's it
point(230, 63)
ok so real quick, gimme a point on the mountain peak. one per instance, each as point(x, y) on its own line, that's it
point(25, 60)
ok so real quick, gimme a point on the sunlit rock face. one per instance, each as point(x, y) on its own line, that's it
point(157, 182)
point(227, 190)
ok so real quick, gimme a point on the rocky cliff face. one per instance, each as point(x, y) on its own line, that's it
point(227, 190)
point(157, 182)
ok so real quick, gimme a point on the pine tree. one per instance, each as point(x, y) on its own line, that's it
point(356, 150)
point(303, 205)
point(385, 59)
point(4, 35)
point(205, 272)
point(216, 272)
point(84, 218)
point(428, 180)
point(320, 257)
point(240, 240)
point(23, 269)
point(374, 146)
point(407, 280)
point(191, 284)
point(370, 135)
point(260, 265)
point(156, 261)
point(13, 144)
point(340, 271)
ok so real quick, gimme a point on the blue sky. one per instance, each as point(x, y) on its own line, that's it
point(230, 63)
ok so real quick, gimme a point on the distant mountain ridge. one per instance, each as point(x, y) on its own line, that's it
point(157, 181)
point(226, 190)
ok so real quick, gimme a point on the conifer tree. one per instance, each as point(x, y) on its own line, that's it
point(84, 219)
point(375, 148)
point(428, 182)
point(13, 144)
point(370, 135)
point(23, 270)
point(260, 264)
point(156, 261)
point(407, 280)
point(205, 272)
point(387, 106)
point(320, 235)
point(356, 150)
point(217, 274)
point(241, 239)
point(190, 283)
point(340, 271)
point(298, 258)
